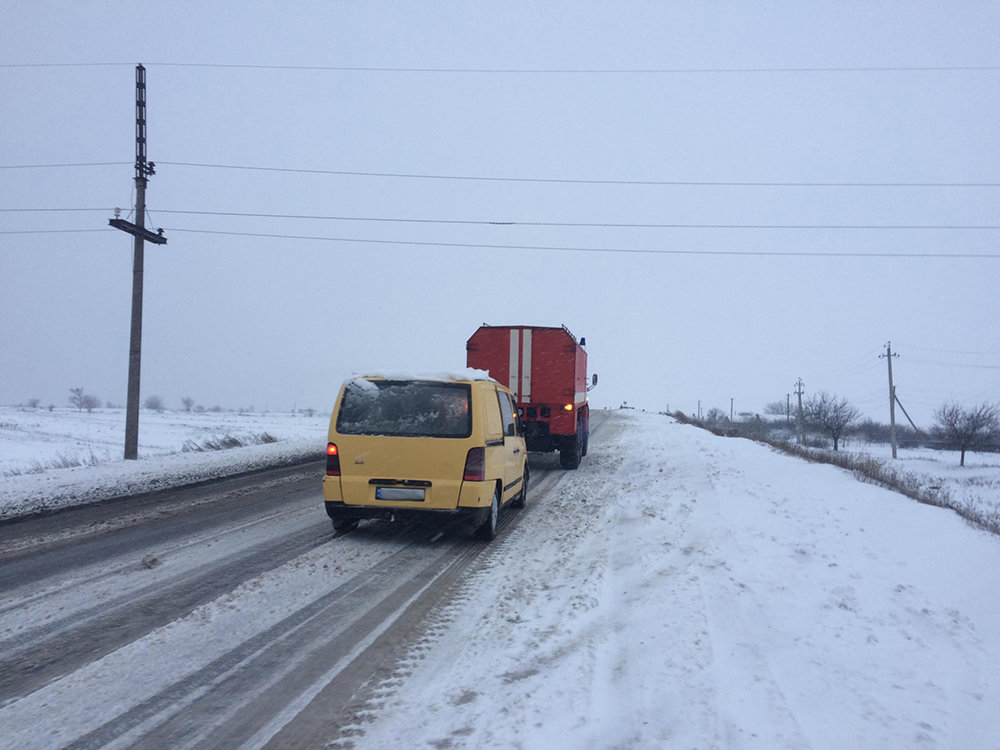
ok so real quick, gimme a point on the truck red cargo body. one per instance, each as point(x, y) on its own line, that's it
point(546, 369)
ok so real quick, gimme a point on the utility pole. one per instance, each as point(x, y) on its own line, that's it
point(731, 409)
point(799, 390)
point(788, 408)
point(143, 170)
point(892, 396)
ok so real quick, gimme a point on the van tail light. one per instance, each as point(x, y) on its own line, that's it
point(475, 465)
point(332, 460)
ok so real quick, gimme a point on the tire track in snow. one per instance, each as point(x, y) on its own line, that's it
point(111, 604)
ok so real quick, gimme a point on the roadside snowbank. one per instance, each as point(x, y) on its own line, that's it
point(686, 590)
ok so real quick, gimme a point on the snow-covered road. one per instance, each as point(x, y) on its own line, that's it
point(678, 590)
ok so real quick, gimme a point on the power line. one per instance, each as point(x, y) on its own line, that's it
point(952, 364)
point(543, 248)
point(748, 253)
point(557, 180)
point(519, 223)
point(543, 180)
point(537, 71)
point(955, 351)
point(49, 231)
point(76, 164)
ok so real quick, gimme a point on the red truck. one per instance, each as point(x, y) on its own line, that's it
point(546, 370)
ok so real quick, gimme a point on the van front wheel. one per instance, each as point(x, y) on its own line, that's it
point(488, 530)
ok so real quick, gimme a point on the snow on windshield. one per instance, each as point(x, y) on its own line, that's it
point(411, 408)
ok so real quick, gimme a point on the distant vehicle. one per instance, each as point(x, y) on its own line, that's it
point(546, 370)
point(424, 445)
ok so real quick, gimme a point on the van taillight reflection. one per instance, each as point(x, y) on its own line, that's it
point(332, 460)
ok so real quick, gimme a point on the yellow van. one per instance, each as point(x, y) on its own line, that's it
point(423, 445)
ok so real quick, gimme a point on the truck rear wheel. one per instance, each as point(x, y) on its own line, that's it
point(569, 455)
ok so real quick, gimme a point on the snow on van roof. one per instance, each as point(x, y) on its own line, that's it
point(468, 373)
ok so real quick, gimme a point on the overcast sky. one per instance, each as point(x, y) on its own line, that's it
point(479, 162)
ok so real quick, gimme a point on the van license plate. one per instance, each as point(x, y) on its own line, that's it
point(399, 493)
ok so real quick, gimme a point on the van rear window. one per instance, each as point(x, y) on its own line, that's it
point(405, 409)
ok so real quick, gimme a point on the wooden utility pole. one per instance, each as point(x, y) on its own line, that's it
point(892, 397)
point(143, 170)
point(799, 390)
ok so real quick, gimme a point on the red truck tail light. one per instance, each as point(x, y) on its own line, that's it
point(332, 460)
point(568, 407)
point(475, 465)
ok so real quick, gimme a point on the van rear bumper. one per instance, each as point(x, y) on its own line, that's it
point(338, 511)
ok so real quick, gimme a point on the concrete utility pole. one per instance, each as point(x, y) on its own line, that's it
point(892, 397)
point(143, 170)
point(799, 390)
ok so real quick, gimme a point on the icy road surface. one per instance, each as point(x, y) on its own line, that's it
point(678, 590)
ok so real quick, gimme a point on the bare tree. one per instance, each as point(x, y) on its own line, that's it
point(76, 397)
point(82, 400)
point(830, 414)
point(777, 409)
point(967, 429)
point(715, 416)
point(188, 403)
point(154, 403)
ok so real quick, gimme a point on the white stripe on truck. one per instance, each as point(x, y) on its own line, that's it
point(512, 370)
point(526, 367)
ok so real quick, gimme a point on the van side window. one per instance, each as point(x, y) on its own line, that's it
point(507, 415)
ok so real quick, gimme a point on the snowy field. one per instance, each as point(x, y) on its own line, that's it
point(678, 590)
point(50, 459)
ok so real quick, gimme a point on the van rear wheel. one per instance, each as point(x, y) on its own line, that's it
point(343, 525)
point(488, 530)
point(522, 496)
